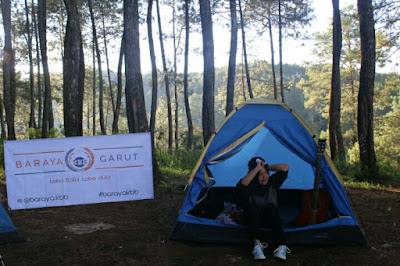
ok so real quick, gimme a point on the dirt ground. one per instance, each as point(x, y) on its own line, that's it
point(137, 233)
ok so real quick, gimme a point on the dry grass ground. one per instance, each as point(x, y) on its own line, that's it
point(136, 233)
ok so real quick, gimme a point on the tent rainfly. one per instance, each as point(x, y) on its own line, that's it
point(270, 129)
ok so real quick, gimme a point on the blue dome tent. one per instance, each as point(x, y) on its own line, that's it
point(8, 232)
point(270, 129)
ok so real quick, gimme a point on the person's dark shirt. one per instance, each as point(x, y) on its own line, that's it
point(260, 195)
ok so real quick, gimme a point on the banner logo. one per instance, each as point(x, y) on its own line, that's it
point(79, 160)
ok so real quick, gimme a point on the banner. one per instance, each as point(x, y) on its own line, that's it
point(78, 170)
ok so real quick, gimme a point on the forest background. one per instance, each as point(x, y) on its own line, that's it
point(66, 58)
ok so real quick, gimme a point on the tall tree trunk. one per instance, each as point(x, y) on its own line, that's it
point(61, 19)
point(354, 109)
point(166, 79)
point(107, 112)
point(244, 51)
point(8, 70)
point(280, 52)
point(185, 78)
point(154, 77)
point(74, 72)
point(243, 83)
point(87, 114)
point(94, 88)
point(32, 121)
point(209, 71)
point(366, 92)
point(175, 78)
point(107, 60)
point(272, 52)
point(47, 122)
point(135, 105)
point(352, 81)
point(101, 87)
point(2, 123)
point(335, 132)
point(230, 90)
point(119, 87)
point(39, 82)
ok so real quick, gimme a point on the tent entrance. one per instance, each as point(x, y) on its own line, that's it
point(219, 205)
point(229, 171)
point(217, 200)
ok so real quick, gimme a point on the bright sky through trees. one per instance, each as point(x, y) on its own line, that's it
point(294, 51)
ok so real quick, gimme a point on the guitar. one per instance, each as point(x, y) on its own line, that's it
point(314, 202)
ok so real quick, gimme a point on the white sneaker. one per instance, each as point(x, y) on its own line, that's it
point(281, 251)
point(258, 253)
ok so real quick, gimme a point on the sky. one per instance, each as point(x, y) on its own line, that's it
point(294, 51)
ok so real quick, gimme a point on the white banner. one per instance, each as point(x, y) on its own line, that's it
point(78, 170)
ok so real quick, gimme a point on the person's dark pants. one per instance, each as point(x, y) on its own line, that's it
point(267, 216)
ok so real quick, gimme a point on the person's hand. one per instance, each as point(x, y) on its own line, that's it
point(260, 164)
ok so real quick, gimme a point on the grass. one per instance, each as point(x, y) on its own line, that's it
point(363, 185)
point(354, 176)
point(177, 166)
point(184, 160)
point(174, 172)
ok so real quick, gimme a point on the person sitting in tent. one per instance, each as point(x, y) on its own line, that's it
point(257, 195)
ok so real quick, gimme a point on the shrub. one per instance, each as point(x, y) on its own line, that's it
point(179, 159)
